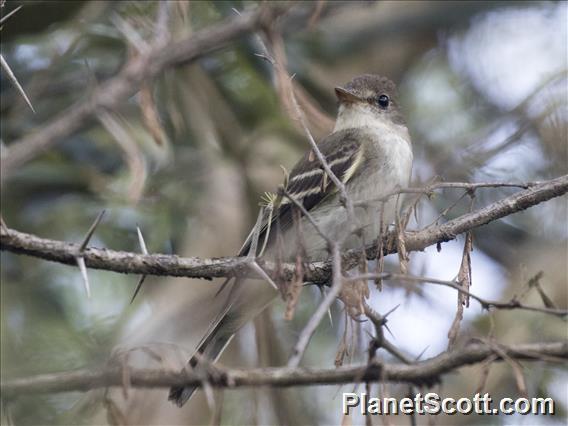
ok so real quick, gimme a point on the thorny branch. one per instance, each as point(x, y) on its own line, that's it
point(485, 303)
point(425, 372)
point(419, 373)
point(467, 186)
point(380, 341)
point(317, 272)
point(289, 376)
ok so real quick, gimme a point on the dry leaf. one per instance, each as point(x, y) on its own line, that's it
point(353, 295)
point(401, 249)
point(463, 280)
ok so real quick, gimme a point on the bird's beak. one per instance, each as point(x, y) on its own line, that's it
point(345, 95)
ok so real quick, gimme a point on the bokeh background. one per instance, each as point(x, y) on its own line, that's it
point(484, 90)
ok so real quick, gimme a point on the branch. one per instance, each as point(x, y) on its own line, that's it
point(522, 200)
point(421, 373)
point(429, 189)
point(514, 303)
point(317, 272)
point(146, 65)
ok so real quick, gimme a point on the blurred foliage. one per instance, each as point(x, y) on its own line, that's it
point(484, 90)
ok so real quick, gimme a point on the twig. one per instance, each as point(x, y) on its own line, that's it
point(133, 157)
point(130, 34)
point(380, 341)
point(451, 185)
point(521, 200)
point(515, 366)
point(424, 372)
point(485, 303)
point(338, 184)
point(162, 19)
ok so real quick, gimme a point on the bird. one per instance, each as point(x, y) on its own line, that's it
point(370, 152)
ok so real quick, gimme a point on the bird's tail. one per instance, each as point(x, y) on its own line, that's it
point(243, 302)
point(210, 349)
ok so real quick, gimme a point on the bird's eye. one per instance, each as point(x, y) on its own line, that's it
point(383, 101)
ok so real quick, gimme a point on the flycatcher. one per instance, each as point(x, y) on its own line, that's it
point(371, 153)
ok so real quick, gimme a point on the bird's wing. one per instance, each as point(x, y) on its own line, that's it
point(309, 184)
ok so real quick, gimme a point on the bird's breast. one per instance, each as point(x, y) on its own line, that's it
point(388, 157)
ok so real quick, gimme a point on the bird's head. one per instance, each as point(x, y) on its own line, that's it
point(368, 100)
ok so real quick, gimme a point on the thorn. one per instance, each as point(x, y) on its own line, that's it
point(6, 17)
point(144, 251)
point(15, 81)
point(255, 234)
point(547, 301)
point(3, 225)
point(320, 288)
point(208, 390)
point(389, 330)
point(263, 274)
point(91, 231)
point(141, 241)
point(83, 269)
point(138, 287)
point(421, 353)
point(385, 316)
point(80, 259)
point(223, 286)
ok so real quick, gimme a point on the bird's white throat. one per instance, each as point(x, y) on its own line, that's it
point(356, 116)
